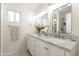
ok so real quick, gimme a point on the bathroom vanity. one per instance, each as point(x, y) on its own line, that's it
point(40, 45)
point(58, 21)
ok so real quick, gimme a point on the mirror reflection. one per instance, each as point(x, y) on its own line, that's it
point(44, 20)
point(61, 19)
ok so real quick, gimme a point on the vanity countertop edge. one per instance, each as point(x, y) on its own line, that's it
point(69, 45)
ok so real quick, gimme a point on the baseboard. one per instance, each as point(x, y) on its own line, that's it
point(13, 53)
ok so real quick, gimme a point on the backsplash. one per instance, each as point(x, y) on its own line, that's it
point(61, 35)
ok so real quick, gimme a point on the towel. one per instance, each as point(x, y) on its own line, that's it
point(14, 31)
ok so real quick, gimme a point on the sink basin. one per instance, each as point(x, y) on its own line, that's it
point(61, 41)
point(57, 40)
point(51, 39)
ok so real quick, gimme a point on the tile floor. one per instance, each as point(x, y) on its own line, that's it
point(22, 53)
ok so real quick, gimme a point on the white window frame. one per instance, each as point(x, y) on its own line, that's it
point(14, 16)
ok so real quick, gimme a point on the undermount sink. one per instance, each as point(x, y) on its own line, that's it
point(51, 39)
point(57, 40)
point(61, 41)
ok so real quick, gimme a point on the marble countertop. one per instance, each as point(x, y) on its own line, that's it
point(62, 43)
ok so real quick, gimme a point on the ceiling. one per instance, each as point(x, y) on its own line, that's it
point(28, 6)
point(32, 7)
point(65, 9)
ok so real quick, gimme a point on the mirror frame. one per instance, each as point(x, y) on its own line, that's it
point(58, 10)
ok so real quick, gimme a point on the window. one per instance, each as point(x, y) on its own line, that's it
point(44, 22)
point(13, 16)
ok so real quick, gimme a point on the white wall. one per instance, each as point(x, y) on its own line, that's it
point(75, 21)
point(9, 46)
point(25, 26)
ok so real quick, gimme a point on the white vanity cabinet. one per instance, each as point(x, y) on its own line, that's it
point(36, 47)
point(33, 45)
point(39, 47)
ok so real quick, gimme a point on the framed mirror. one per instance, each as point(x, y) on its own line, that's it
point(44, 20)
point(61, 19)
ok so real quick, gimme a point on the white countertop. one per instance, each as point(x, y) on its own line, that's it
point(63, 43)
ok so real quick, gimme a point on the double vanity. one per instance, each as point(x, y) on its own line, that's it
point(58, 21)
point(41, 45)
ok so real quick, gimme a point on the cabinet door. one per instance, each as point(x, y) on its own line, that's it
point(28, 42)
point(68, 53)
point(73, 52)
point(39, 48)
point(36, 46)
point(55, 51)
point(32, 45)
point(43, 48)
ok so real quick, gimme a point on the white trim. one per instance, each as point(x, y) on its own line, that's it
point(14, 15)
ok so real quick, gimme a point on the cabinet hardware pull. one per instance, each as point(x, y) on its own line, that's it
point(46, 48)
